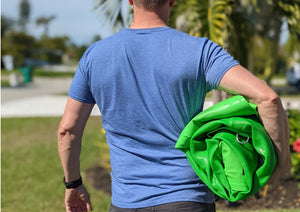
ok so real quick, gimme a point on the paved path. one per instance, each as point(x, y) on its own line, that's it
point(48, 96)
point(40, 86)
point(42, 97)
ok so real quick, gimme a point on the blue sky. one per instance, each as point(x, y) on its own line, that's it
point(74, 18)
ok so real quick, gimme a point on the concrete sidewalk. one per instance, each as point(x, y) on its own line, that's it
point(48, 96)
point(41, 98)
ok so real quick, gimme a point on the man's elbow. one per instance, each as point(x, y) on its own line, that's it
point(63, 132)
point(269, 98)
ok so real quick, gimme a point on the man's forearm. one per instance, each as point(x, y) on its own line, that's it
point(69, 136)
point(69, 147)
point(276, 124)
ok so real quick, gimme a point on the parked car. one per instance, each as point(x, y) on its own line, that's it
point(293, 75)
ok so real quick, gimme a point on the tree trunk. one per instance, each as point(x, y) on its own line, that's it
point(250, 65)
point(271, 63)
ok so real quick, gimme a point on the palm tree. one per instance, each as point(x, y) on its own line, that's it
point(207, 18)
point(45, 21)
point(24, 13)
point(114, 15)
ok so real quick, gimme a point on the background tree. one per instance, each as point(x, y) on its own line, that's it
point(274, 12)
point(52, 49)
point(204, 18)
point(20, 45)
point(114, 15)
point(24, 14)
point(241, 31)
point(45, 21)
point(96, 38)
point(6, 24)
point(292, 48)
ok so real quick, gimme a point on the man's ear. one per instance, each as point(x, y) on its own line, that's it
point(131, 2)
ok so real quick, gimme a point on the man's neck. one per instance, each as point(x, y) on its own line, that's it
point(149, 19)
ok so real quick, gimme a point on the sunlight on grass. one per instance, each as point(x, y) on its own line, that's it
point(32, 180)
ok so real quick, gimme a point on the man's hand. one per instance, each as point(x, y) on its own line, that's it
point(77, 199)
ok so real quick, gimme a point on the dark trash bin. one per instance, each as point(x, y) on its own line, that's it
point(27, 72)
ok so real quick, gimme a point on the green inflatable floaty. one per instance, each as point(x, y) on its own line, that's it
point(229, 149)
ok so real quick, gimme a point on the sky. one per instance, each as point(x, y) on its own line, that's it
point(74, 18)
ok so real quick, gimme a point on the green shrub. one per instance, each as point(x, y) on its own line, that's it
point(295, 170)
point(294, 121)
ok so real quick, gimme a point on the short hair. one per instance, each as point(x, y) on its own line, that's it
point(149, 4)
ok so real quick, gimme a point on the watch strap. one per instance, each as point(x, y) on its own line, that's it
point(72, 184)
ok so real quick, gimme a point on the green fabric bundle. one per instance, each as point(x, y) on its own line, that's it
point(229, 149)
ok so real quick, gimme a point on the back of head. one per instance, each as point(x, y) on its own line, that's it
point(150, 4)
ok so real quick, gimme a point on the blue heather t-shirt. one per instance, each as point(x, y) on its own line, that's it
point(148, 84)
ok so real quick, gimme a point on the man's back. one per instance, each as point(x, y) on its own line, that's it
point(148, 84)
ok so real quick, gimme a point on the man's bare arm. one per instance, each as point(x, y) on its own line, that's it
point(69, 137)
point(240, 81)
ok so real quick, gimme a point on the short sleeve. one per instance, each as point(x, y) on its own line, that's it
point(80, 86)
point(215, 63)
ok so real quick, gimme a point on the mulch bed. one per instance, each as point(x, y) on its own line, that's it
point(99, 178)
point(284, 196)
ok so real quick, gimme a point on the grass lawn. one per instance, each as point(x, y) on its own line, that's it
point(31, 176)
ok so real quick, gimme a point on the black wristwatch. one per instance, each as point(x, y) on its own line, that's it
point(72, 184)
